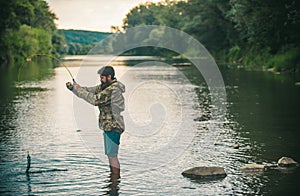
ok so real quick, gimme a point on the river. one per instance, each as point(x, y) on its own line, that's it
point(162, 137)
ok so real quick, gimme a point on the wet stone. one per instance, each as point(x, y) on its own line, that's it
point(253, 167)
point(205, 172)
point(287, 162)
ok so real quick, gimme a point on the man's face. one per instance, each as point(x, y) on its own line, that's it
point(103, 79)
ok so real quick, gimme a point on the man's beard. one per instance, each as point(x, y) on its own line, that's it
point(104, 85)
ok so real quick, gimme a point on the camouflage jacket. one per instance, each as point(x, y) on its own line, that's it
point(110, 102)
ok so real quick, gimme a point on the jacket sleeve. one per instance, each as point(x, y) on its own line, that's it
point(100, 98)
point(93, 89)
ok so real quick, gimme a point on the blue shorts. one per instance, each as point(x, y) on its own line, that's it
point(111, 143)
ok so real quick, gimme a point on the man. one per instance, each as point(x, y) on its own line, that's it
point(110, 101)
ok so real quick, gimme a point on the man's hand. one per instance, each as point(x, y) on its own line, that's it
point(70, 86)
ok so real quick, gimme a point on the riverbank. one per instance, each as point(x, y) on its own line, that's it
point(178, 61)
point(286, 60)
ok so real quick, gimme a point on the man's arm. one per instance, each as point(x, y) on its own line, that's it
point(93, 89)
point(100, 98)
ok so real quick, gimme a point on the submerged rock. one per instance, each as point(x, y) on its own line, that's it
point(202, 118)
point(205, 172)
point(287, 162)
point(253, 167)
point(235, 146)
point(181, 64)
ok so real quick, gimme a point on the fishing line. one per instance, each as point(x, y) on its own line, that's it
point(29, 58)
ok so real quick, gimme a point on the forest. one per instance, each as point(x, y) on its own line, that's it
point(79, 42)
point(27, 27)
point(255, 34)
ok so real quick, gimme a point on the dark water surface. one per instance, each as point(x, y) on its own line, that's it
point(162, 139)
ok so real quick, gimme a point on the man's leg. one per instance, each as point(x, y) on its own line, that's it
point(111, 144)
point(114, 165)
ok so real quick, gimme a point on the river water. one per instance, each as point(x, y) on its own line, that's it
point(163, 135)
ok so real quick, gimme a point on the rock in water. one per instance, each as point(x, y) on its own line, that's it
point(181, 64)
point(235, 146)
point(205, 172)
point(253, 167)
point(202, 118)
point(287, 162)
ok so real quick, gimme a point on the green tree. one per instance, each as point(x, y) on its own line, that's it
point(143, 14)
point(268, 23)
point(250, 32)
point(26, 27)
point(13, 15)
point(43, 17)
point(59, 45)
point(174, 20)
point(207, 21)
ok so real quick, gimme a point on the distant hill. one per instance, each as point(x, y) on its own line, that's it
point(83, 37)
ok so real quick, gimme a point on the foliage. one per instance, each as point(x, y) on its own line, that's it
point(207, 22)
point(143, 14)
point(27, 27)
point(250, 33)
point(83, 37)
point(286, 60)
point(80, 41)
point(204, 20)
point(253, 33)
point(268, 23)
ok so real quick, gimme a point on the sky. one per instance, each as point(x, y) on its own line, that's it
point(94, 15)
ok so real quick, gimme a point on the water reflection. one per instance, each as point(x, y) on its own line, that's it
point(29, 189)
point(32, 72)
point(112, 185)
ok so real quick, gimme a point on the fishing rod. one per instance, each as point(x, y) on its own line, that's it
point(29, 58)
